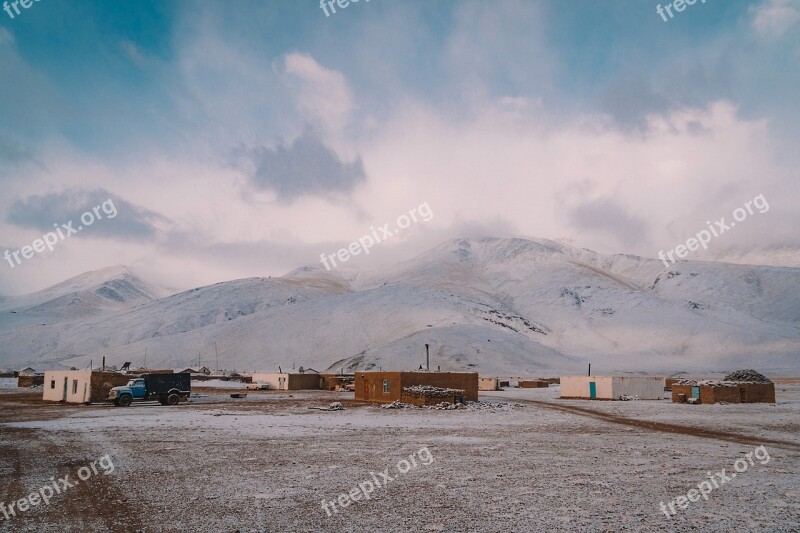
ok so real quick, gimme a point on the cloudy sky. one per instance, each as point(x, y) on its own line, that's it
point(246, 138)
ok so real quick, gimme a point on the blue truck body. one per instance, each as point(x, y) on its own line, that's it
point(168, 389)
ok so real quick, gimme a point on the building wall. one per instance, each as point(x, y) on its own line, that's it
point(578, 387)
point(30, 381)
point(91, 386)
point(645, 387)
point(534, 384)
point(369, 385)
point(488, 384)
point(293, 381)
point(304, 381)
point(709, 394)
point(78, 386)
point(102, 382)
point(468, 381)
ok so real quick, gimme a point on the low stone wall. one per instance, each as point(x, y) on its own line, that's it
point(426, 395)
point(102, 382)
point(30, 381)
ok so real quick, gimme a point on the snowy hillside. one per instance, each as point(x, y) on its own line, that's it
point(498, 306)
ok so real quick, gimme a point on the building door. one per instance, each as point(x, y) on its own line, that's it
point(64, 397)
point(743, 395)
point(281, 383)
point(695, 392)
point(592, 389)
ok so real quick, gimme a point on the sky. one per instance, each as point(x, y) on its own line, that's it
point(211, 141)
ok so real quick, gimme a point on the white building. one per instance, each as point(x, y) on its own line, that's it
point(71, 386)
point(612, 387)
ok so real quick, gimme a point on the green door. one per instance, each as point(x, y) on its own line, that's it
point(695, 392)
point(592, 389)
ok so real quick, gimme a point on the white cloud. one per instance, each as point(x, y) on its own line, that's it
point(321, 95)
point(773, 17)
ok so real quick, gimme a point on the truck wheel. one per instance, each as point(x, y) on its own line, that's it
point(173, 399)
point(125, 400)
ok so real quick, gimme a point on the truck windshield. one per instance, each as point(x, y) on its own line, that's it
point(134, 382)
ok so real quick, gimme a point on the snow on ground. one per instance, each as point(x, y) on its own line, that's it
point(8, 383)
point(265, 463)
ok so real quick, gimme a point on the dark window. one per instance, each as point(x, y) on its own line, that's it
point(52, 384)
point(386, 385)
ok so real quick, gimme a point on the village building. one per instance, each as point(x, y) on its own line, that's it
point(709, 392)
point(612, 387)
point(288, 381)
point(81, 386)
point(488, 384)
point(387, 387)
point(534, 384)
point(204, 370)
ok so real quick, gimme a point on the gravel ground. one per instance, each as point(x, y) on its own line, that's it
point(266, 463)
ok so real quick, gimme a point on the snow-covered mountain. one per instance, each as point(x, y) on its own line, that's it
point(499, 306)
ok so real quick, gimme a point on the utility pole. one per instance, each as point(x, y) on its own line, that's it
point(427, 359)
point(145, 356)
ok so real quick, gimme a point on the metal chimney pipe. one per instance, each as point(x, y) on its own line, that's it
point(427, 358)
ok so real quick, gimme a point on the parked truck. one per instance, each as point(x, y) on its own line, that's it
point(168, 389)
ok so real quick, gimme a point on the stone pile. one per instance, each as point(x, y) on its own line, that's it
point(747, 375)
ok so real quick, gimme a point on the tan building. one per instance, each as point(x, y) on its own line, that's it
point(612, 387)
point(289, 381)
point(723, 391)
point(488, 384)
point(387, 387)
point(81, 386)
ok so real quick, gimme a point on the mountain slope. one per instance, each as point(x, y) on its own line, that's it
point(499, 306)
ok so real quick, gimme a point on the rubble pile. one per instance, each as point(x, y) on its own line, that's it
point(397, 404)
point(429, 390)
point(747, 375)
point(493, 407)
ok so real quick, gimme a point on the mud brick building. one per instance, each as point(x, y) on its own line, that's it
point(534, 384)
point(387, 387)
point(723, 391)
